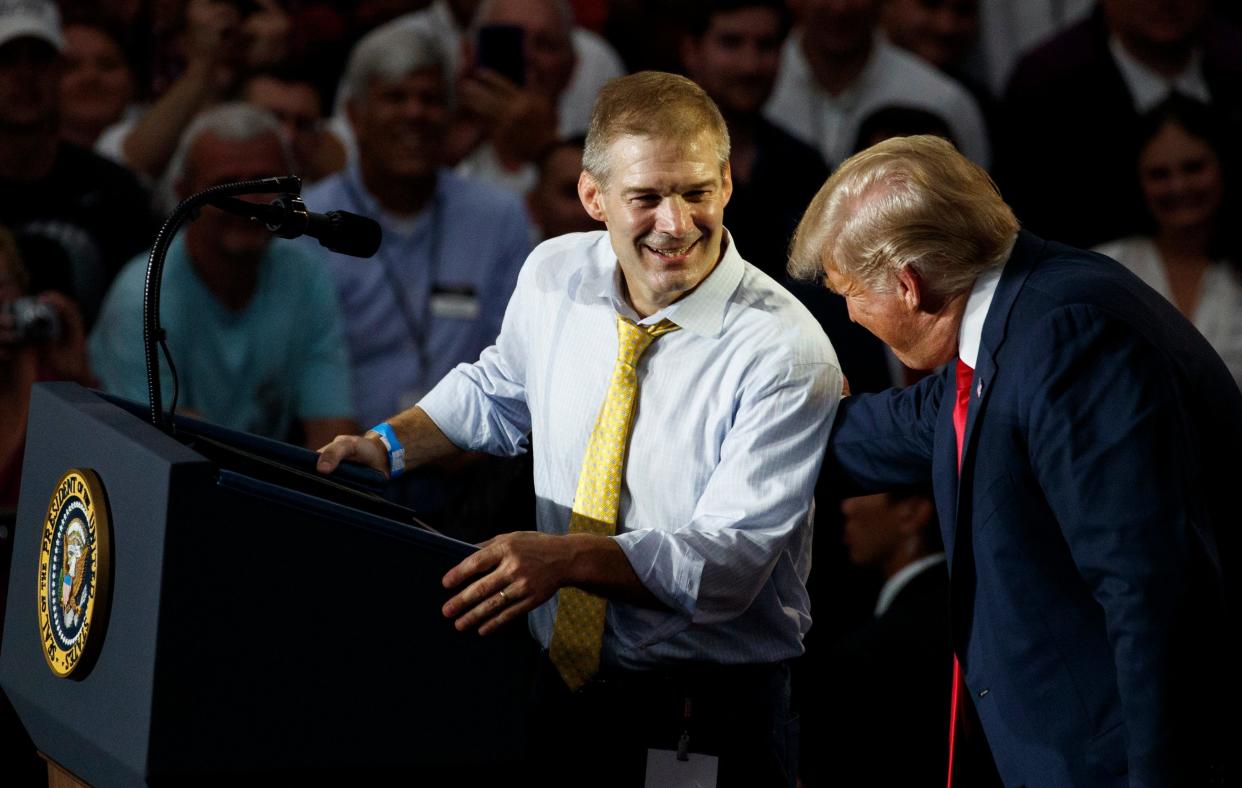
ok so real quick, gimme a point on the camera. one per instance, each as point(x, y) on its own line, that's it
point(31, 321)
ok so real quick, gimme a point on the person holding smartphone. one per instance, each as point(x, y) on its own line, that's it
point(520, 59)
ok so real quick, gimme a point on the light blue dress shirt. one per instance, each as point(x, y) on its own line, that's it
point(435, 293)
point(732, 419)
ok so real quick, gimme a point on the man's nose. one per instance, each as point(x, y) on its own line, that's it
point(673, 216)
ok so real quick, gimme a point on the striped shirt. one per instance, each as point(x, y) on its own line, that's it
point(732, 419)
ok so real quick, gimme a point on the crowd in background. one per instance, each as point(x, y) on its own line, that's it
point(1108, 125)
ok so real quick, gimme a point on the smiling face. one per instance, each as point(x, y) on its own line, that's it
point(663, 204)
point(1181, 179)
point(96, 83)
point(400, 125)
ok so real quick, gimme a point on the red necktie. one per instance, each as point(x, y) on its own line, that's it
point(965, 376)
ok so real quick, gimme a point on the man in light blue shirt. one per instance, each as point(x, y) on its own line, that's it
point(435, 292)
point(705, 575)
point(253, 325)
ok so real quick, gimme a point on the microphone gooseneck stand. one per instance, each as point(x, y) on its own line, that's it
point(152, 331)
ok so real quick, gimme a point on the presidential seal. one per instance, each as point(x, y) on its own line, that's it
point(74, 570)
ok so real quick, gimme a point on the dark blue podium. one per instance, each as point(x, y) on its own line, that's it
point(263, 623)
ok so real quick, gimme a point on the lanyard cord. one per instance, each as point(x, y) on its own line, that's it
point(400, 293)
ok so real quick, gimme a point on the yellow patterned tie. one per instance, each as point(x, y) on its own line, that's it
point(579, 631)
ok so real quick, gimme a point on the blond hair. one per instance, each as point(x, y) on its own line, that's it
point(651, 104)
point(907, 201)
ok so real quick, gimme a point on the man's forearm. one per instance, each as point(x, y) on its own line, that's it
point(423, 441)
point(600, 566)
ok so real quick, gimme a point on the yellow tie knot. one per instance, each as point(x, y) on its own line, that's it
point(633, 339)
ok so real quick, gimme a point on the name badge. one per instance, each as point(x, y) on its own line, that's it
point(666, 770)
point(459, 302)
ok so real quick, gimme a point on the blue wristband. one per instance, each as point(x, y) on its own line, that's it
point(396, 452)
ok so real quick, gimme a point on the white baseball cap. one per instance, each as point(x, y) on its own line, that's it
point(35, 18)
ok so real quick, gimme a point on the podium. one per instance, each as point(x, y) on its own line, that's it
point(252, 620)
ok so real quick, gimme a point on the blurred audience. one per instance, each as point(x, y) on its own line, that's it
point(1190, 255)
point(885, 719)
point(253, 323)
point(553, 202)
point(97, 83)
point(435, 293)
point(77, 217)
point(500, 127)
point(291, 95)
point(41, 338)
point(1070, 118)
point(945, 34)
point(29, 352)
point(642, 45)
point(835, 69)
point(219, 41)
point(732, 49)
point(942, 32)
point(1011, 28)
point(503, 121)
point(897, 121)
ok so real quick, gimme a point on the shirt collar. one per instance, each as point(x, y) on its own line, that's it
point(970, 333)
point(701, 312)
point(897, 582)
point(1148, 88)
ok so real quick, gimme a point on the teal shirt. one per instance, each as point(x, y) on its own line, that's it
point(279, 359)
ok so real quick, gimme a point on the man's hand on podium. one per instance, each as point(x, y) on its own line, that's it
point(365, 449)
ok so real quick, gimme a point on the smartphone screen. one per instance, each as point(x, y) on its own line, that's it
point(501, 50)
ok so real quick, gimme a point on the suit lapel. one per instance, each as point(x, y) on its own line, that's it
point(1025, 252)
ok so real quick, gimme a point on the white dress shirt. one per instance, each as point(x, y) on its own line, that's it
point(892, 77)
point(732, 418)
point(895, 584)
point(1148, 88)
point(970, 332)
point(1218, 311)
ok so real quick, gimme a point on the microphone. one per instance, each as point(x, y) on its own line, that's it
point(287, 216)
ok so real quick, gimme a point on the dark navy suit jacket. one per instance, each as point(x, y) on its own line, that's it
point(1091, 533)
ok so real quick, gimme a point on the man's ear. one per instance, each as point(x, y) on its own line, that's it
point(911, 290)
point(726, 183)
point(592, 196)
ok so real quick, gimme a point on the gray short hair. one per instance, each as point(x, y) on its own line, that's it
point(906, 201)
point(236, 121)
point(391, 52)
point(651, 104)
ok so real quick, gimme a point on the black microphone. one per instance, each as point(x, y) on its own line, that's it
point(287, 216)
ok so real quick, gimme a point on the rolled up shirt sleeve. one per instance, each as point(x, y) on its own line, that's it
point(757, 499)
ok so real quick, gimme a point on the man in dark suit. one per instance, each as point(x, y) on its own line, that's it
point(1069, 125)
point(1090, 531)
